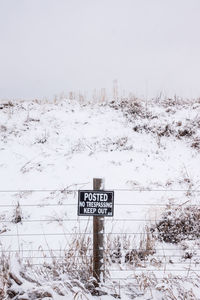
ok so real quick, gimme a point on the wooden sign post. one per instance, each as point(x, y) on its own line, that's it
point(98, 239)
point(99, 204)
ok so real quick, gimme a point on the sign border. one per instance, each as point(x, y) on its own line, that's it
point(99, 192)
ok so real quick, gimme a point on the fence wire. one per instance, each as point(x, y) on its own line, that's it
point(111, 189)
point(38, 257)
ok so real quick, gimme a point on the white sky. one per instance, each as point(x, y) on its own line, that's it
point(51, 46)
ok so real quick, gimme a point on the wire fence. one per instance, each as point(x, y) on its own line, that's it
point(117, 190)
point(162, 258)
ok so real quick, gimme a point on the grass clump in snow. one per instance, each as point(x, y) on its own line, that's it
point(125, 250)
point(178, 224)
point(146, 248)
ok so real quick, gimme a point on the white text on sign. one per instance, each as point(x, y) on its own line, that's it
point(95, 197)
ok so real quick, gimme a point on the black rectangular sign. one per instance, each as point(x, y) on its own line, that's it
point(96, 203)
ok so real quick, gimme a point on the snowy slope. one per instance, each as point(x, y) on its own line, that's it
point(148, 154)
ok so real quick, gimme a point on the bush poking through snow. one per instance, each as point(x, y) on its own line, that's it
point(178, 224)
point(6, 104)
point(17, 215)
point(196, 143)
point(139, 112)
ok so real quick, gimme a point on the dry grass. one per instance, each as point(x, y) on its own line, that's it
point(70, 275)
point(4, 275)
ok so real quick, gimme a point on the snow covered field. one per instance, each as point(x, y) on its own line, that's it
point(148, 153)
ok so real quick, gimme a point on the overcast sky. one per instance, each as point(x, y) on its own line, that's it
point(53, 46)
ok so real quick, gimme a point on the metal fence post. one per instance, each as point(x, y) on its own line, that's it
point(98, 239)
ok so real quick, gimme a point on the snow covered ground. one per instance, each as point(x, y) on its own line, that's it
point(148, 153)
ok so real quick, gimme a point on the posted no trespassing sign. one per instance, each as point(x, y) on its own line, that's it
point(96, 203)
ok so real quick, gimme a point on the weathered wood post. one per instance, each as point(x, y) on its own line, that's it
point(98, 239)
point(99, 204)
